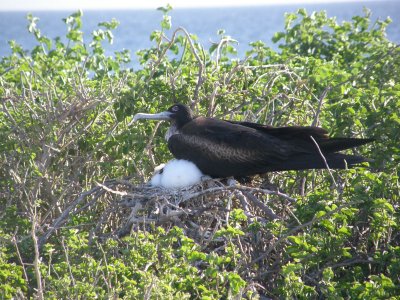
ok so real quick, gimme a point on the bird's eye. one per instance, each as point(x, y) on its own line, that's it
point(175, 108)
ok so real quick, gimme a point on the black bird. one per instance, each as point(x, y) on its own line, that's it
point(223, 148)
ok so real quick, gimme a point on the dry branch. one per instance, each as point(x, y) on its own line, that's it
point(126, 207)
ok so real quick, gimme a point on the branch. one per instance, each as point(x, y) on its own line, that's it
point(324, 159)
point(284, 237)
point(63, 218)
point(321, 99)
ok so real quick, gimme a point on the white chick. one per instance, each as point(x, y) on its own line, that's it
point(177, 173)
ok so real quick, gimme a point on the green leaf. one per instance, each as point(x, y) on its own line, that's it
point(165, 9)
point(166, 23)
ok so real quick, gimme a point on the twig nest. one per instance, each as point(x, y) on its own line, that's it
point(177, 173)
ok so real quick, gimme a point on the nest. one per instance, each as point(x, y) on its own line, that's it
point(200, 210)
point(120, 207)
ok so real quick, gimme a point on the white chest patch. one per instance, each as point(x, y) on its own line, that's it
point(171, 131)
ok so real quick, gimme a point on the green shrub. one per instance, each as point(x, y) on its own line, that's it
point(65, 125)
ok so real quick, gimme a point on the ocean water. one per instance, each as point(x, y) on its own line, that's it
point(244, 24)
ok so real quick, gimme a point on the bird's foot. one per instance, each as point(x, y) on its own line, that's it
point(205, 178)
point(231, 181)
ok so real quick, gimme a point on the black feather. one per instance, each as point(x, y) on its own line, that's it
point(222, 148)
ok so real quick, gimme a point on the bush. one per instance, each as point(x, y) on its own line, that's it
point(65, 126)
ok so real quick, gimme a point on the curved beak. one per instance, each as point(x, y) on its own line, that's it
point(165, 115)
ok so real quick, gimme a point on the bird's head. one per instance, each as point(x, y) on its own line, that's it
point(180, 114)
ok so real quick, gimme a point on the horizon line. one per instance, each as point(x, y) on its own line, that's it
point(125, 6)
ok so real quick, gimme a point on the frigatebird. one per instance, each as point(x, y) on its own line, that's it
point(177, 173)
point(222, 148)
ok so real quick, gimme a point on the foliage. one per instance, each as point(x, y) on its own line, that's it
point(65, 115)
point(160, 264)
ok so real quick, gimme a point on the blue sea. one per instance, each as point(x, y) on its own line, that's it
point(244, 24)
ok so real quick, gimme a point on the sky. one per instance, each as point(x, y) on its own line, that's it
point(30, 5)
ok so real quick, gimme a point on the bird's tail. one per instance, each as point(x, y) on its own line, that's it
point(331, 160)
point(339, 144)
